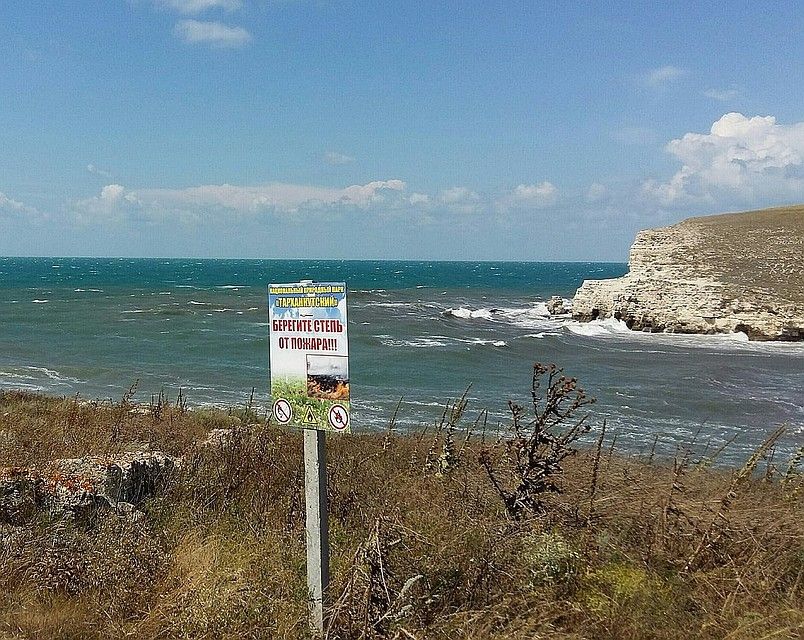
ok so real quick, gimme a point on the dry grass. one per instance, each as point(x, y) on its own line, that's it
point(422, 544)
point(758, 250)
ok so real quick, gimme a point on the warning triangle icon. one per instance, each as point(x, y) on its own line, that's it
point(309, 416)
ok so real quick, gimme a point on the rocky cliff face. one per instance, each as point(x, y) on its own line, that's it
point(717, 274)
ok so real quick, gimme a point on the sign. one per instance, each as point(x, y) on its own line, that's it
point(309, 355)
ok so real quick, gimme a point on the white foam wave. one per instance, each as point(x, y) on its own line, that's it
point(540, 334)
point(203, 304)
point(37, 373)
point(481, 341)
point(421, 342)
point(600, 328)
point(37, 301)
point(611, 328)
point(463, 312)
point(534, 316)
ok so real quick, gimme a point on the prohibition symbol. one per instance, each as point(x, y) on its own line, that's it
point(282, 411)
point(338, 417)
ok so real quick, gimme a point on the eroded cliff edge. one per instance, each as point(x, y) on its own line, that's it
point(715, 274)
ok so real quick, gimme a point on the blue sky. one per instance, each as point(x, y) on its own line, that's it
point(422, 130)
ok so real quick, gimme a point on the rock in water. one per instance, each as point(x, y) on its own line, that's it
point(555, 306)
point(715, 274)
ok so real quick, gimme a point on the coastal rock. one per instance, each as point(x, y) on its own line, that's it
point(717, 274)
point(555, 306)
point(82, 486)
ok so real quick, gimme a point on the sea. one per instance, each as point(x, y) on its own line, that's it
point(421, 334)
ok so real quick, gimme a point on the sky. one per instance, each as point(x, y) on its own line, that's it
point(461, 129)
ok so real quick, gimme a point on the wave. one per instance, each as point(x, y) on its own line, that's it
point(617, 329)
point(437, 341)
point(38, 373)
point(420, 342)
point(464, 313)
point(37, 301)
point(534, 316)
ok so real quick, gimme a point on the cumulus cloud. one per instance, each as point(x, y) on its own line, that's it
point(335, 159)
point(115, 202)
point(662, 76)
point(193, 7)
point(528, 196)
point(742, 160)
point(723, 95)
point(112, 204)
point(419, 199)
point(460, 200)
point(366, 194)
point(214, 34)
point(14, 208)
point(97, 171)
point(535, 195)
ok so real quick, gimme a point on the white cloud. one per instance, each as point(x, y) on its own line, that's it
point(194, 203)
point(723, 95)
point(528, 196)
point(97, 171)
point(419, 199)
point(113, 203)
point(742, 160)
point(10, 207)
point(363, 195)
point(460, 200)
point(192, 7)
point(536, 195)
point(215, 34)
point(663, 76)
point(334, 158)
point(597, 192)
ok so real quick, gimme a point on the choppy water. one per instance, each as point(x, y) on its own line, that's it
point(419, 330)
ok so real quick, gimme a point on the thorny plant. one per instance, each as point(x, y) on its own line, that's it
point(373, 597)
point(539, 444)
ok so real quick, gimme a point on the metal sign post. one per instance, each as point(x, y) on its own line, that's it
point(310, 390)
point(317, 526)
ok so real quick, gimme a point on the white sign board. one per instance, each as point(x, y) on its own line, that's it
point(309, 355)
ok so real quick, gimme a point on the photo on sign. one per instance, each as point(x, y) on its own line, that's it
point(328, 377)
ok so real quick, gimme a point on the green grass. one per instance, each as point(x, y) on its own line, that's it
point(295, 392)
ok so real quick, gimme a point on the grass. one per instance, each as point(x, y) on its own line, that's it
point(295, 392)
point(422, 543)
point(754, 250)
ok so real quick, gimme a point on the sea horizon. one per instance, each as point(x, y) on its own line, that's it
point(419, 331)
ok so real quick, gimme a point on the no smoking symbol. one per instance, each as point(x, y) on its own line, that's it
point(338, 417)
point(282, 411)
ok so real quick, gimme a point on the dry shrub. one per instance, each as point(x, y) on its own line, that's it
point(422, 544)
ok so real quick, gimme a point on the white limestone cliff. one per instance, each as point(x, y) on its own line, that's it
point(717, 274)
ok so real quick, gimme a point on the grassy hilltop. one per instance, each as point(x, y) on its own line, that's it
point(452, 532)
point(755, 249)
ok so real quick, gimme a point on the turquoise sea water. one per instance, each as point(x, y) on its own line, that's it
point(421, 331)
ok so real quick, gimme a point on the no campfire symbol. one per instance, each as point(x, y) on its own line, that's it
point(338, 417)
